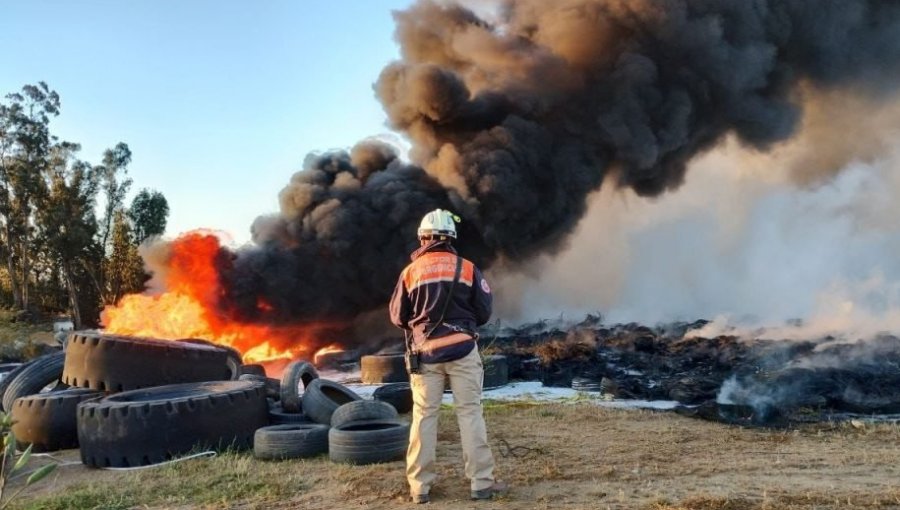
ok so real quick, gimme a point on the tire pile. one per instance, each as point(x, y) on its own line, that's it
point(328, 417)
point(128, 402)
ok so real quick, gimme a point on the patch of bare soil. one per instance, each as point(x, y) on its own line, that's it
point(585, 457)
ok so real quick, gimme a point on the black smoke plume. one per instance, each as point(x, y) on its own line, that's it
point(516, 114)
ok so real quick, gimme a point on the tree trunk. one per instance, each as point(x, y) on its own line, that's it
point(26, 269)
point(13, 280)
point(73, 295)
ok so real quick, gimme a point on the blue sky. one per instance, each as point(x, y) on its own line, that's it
point(220, 101)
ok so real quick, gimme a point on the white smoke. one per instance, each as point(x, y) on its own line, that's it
point(742, 241)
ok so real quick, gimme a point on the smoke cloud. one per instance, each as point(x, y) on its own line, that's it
point(518, 113)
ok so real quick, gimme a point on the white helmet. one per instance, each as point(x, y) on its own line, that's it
point(438, 223)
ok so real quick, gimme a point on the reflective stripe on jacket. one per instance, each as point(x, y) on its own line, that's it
point(421, 292)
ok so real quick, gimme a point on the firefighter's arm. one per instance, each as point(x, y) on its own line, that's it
point(482, 298)
point(400, 307)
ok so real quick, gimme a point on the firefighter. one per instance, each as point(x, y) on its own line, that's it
point(440, 300)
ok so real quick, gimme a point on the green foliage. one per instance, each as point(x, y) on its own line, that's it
point(13, 464)
point(56, 254)
point(149, 214)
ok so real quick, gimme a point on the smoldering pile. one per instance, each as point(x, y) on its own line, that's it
point(754, 381)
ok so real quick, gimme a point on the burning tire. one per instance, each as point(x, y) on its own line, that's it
point(148, 426)
point(368, 442)
point(292, 441)
point(398, 395)
point(322, 398)
point(383, 368)
point(363, 410)
point(47, 420)
point(496, 372)
point(297, 373)
point(34, 376)
point(113, 363)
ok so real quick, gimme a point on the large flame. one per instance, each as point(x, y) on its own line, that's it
point(189, 308)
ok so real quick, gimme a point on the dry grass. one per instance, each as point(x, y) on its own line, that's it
point(577, 456)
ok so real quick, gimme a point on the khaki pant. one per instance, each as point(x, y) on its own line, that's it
point(466, 376)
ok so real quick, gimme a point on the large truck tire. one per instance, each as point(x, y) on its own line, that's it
point(383, 368)
point(363, 410)
point(296, 378)
point(292, 441)
point(152, 425)
point(47, 420)
point(115, 363)
point(322, 398)
point(35, 375)
point(368, 442)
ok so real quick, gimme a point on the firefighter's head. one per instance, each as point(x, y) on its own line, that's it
point(438, 225)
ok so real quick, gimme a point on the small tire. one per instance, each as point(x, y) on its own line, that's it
point(152, 425)
point(290, 441)
point(297, 374)
point(496, 372)
point(398, 395)
point(322, 398)
point(47, 420)
point(363, 410)
point(368, 442)
point(278, 416)
point(383, 368)
point(253, 369)
point(34, 376)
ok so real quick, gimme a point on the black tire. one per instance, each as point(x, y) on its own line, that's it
point(368, 442)
point(398, 395)
point(278, 416)
point(363, 410)
point(253, 369)
point(323, 397)
point(292, 441)
point(234, 363)
point(298, 374)
point(7, 378)
point(113, 363)
point(34, 376)
point(47, 420)
point(148, 426)
point(496, 371)
point(383, 368)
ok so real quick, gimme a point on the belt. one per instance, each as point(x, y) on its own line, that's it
point(445, 341)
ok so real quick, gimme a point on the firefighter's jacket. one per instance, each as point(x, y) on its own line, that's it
point(421, 292)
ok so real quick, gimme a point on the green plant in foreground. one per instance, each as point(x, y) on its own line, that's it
point(12, 463)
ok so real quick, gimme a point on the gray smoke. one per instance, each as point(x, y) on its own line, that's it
point(517, 115)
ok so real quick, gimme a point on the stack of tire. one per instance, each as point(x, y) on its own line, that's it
point(329, 418)
point(134, 401)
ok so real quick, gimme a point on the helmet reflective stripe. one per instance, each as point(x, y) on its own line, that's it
point(438, 223)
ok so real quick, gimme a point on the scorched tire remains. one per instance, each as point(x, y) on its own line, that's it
point(291, 441)
point(368, 442)
point(148, 426)
point(47, 420)
point(383, 368)
point(114, 363)
point(34, 376)
point(363, 410)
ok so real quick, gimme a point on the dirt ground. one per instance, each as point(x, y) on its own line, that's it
point(573, 455)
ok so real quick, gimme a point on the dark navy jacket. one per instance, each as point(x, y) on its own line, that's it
point(420, 294)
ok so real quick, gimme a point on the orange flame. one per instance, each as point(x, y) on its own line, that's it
point(189, 308)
